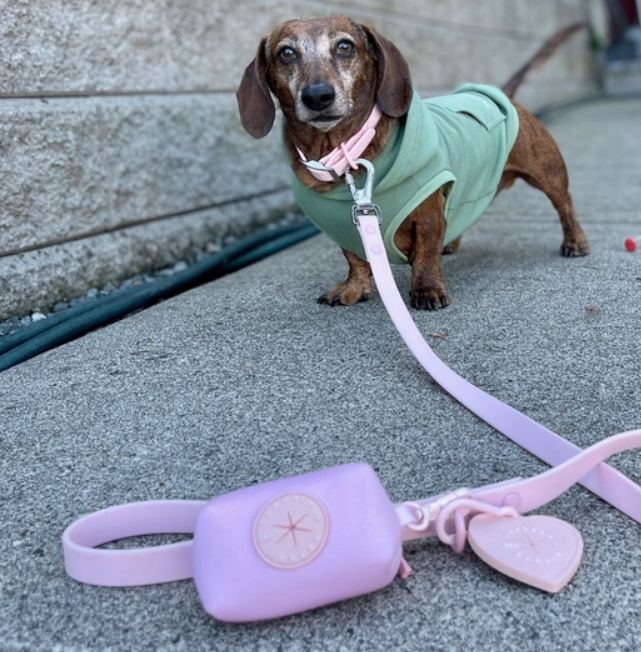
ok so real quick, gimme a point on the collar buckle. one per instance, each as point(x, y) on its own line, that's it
point(317, 168)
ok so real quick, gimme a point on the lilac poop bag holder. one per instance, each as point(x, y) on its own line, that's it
point(298, 543)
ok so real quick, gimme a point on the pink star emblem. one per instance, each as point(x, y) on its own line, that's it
point(292, 528)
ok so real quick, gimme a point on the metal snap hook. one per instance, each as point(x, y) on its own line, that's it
point(362, 195)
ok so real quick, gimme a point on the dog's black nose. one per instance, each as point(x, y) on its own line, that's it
point(318, 96)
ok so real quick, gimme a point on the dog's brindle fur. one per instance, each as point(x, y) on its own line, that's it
point(326, 74)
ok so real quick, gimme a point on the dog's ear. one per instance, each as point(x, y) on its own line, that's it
point(257, 110)
point(394, 87)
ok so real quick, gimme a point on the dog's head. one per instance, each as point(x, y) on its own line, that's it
point(324, 72)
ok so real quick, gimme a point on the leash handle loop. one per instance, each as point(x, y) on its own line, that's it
point(133, 566)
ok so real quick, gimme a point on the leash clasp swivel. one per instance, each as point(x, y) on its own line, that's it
point(363, 196)
point(363, 204)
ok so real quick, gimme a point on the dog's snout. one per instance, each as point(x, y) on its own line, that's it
point(318, 96)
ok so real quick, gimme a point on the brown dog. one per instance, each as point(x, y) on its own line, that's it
point(327, 74)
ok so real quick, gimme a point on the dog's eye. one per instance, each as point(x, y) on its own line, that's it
point(345, 48)
point(287, 55)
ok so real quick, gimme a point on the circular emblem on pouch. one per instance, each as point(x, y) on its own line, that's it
point(291, 530)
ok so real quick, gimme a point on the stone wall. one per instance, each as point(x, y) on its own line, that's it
point(120, 145)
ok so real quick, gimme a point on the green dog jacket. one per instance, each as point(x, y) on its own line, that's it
point(459, 142)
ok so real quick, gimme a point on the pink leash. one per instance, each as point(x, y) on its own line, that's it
point(488, 517)
point(603, 480)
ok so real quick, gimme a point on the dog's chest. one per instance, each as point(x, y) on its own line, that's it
point(460, 142)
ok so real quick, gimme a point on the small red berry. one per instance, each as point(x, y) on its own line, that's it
point(630, 244)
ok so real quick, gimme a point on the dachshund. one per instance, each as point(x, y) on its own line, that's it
point(337, 83)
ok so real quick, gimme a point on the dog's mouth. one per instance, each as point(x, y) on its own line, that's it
point(326, 118)
point(325, 122)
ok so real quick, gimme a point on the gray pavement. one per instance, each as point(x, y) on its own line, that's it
point(247, 379)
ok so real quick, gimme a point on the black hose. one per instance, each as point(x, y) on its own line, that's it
point(69, 324)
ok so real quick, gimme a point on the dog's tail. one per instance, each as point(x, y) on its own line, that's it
point(546, 51)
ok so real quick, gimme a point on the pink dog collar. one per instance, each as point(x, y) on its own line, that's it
point(344, 156)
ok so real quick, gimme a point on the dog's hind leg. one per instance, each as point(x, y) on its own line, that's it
point(453, 247)
point(536, 158)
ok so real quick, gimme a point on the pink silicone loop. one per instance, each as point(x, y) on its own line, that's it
point(460, 508)
point(460, 531)
point(134, 566)
point(348, 158)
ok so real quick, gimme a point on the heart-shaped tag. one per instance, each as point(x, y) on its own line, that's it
point(542, 551)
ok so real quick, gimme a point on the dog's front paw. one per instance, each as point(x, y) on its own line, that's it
point(347, 293)
point(429, 298)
